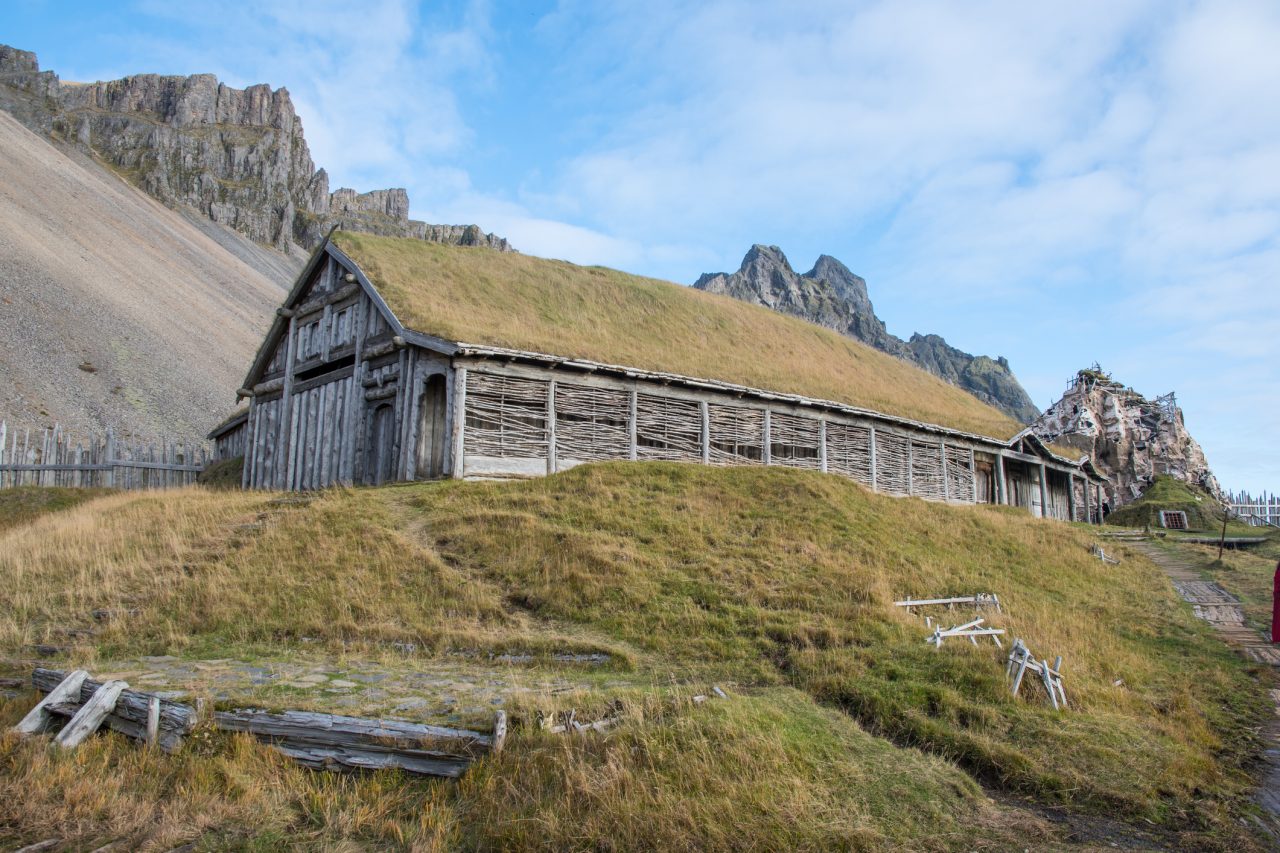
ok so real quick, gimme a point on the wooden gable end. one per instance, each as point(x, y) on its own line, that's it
point(330, 304)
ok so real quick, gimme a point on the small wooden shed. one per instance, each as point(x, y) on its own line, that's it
point(357, 383)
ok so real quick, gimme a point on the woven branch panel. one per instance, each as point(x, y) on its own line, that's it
point(506, 417)
point(794, 441)
point(592, 423)
point(849, 452)
point(737, 435)
point(668, 429)
point(893, 476)
point(960, 480)
point(926, 471)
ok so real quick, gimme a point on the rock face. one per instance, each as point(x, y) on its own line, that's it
point(832, 296)
point(238, 156)
point(1130, 438)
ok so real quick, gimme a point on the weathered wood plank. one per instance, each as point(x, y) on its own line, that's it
point(91, 715)
point(131, 711)
point(68, 688)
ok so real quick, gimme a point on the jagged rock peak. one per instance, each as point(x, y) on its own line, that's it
point(833, 296)
point(238, 156)
point(1130, 438)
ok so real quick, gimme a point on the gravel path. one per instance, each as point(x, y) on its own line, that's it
point(1221, 609)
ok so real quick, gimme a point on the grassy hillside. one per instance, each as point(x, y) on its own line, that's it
point(523, 302)
point(1170, 493)
point(25, 503)
point(844, 728)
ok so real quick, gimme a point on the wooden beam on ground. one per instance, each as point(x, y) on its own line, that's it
point(91, 715)
point(66, 690)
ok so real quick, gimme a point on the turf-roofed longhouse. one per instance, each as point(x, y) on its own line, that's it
point(397, 359)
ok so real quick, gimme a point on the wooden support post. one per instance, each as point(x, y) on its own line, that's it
point(91, 714)
point(1044, 492)
point(822, 445)
point(354, 428)
point(874, 481)
point(911, 466)
point(458, 453)
point(153, 720)
point(706, 433)
point(1088, 513)
point(946, 472)
point(283, 455)
point(67, 691)
point(632, 443)
point(499, 731)
point(1071, 497)
point(551, 427)
point(1002, 487)
point(766, 452)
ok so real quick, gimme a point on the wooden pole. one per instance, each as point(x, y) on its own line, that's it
point(1222, 543)
point(1002, 488)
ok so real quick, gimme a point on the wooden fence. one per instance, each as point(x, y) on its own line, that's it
point(1255, 511)
point(49, 457)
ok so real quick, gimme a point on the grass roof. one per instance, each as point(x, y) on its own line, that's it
point(480, 296)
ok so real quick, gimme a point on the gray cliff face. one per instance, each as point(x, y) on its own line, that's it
point(238, 156)
point(832, 296)
point(1130, 438)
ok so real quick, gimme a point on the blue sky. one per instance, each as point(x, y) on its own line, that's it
point(1056, 183)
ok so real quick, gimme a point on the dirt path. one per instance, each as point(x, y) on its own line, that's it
point(1221, 609)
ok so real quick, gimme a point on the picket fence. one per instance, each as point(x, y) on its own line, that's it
point(50, 457)
point(1256, 511)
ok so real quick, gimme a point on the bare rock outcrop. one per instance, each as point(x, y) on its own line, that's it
point(832, 296)
point(1130, 438)
point(238, 156)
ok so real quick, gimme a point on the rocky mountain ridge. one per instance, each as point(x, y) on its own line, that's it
point(238, 156)
point(832, 296)
point(1130, 438)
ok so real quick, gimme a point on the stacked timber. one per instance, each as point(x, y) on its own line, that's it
point(330, 742)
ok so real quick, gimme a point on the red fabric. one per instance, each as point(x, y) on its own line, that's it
point(1275, 606)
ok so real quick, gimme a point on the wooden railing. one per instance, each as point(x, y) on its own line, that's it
point(50, 457)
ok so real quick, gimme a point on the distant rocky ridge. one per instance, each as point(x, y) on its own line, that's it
point(1130, 438)
point(832, 296)
point(237, 156)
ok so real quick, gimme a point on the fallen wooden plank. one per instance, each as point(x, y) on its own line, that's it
point(91, 715)
point(131, 712)
point(321, 757)
point(335, 730)
point(38, 718)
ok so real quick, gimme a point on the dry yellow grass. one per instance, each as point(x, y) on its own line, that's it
point(484, 297)
point(777, 583)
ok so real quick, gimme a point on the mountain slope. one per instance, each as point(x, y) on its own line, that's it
point(832, 296)
point(238, 156)
point(116, 311)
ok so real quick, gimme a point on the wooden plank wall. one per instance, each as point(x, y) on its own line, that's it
point(50, 457)
point(522, 424)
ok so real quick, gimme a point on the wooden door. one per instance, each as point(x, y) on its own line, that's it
point(381, 448)
point(431, 429)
